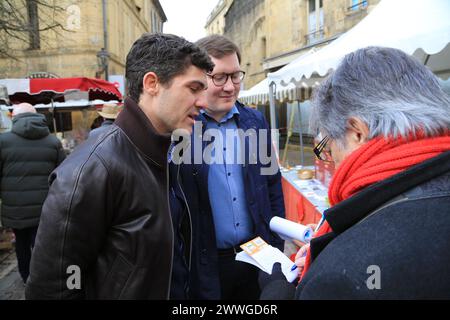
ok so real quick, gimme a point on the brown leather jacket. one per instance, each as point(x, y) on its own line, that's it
point(107, 213)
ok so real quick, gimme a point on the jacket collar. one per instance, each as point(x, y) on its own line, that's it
point(135, 124)
point(234, 111)
point(244, 119)
point(352, 210)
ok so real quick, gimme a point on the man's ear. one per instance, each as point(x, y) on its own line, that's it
point(357, 131)
point(150, 83)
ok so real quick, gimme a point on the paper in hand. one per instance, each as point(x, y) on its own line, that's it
point(262, 255)
point(289, 230)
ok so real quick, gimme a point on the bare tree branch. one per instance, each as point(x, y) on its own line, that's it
point(22, 29)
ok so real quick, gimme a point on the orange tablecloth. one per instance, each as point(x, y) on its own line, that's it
point(298, 208)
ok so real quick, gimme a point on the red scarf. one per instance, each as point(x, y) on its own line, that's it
point(377, 160)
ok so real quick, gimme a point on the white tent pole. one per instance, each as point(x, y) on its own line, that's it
point(300, 132)
point(52, 110)
point(289, 134)
point(273, 125)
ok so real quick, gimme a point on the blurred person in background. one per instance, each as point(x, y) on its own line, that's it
point(28, 154)
point(109, 113)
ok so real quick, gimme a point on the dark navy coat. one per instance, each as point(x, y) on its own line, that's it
point(195, 239)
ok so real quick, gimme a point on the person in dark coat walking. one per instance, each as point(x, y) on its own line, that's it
point(28, 154)
point(385, 122)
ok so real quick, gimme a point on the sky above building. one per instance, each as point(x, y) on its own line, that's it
point(187, 18)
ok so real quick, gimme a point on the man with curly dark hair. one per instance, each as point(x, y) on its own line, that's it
point(106, 231)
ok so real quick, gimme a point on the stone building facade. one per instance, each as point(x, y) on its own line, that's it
point(215, 22)
point(305, 24)
point(244, 24)
point(73, 52)
point(272, 33)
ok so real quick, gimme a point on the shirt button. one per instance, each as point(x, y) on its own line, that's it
point(237, 224)
point(224, 149)
point(229, 174)
point(234, 199)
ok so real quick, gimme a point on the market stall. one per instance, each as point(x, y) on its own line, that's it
point(44, 91)
point(69, 104)
point(305, 199)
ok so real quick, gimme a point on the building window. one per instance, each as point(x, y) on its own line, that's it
point(264, 47)
point(315, 21)
point(357, 4)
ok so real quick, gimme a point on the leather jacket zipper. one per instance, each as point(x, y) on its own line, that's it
point(171, 227)
point(189, 216)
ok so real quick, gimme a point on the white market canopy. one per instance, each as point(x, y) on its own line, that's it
point(259, 93)
point(71, 104)
point(418, 27)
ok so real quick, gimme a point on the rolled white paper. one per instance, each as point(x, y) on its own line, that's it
point(289, 230)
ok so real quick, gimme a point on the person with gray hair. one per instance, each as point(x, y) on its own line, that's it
point(28, 154)
point(385, 121)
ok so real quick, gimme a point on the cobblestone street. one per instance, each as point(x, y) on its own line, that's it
point(11, 285)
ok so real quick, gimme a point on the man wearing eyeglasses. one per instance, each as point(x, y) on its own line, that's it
point(229, 203)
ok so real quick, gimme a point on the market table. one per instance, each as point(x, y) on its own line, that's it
point(305, 200)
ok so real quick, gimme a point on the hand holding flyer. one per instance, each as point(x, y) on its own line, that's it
point(263, 255)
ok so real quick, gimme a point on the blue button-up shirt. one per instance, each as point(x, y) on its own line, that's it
point(232, 221)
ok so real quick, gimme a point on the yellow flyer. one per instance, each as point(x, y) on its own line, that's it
point(262, 255)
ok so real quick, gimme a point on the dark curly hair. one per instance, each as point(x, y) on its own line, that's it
point(166, 55)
